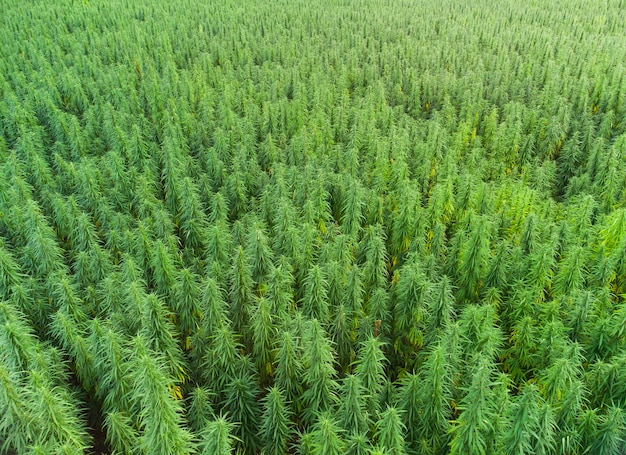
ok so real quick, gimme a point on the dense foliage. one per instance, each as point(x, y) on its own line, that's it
point(312, 227)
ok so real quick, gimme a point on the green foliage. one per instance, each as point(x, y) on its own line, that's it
point(375, 271)
point(326, 437)
point(275, 430)
point(348, 228)
point(240, 292)
point(352, 412)
point(259, 252)
point(315, 301)
point(370, 370)
point(241, 403)
point(390, 431)
point(474, 427)
point(427, 399)
point(120, 432)
point(410, 307)
point(280, 288)
point(320, 392)
point(441, 310)
point(200, 408)
point(186, 296)
point(529, 419)
point(263, 335)
point(161, 414)
point(351, 208)
point(217, 438)
point(289, 367)
point(221, 359)
point(473, 258)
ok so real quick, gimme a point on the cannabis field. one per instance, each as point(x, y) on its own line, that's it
point(368, 227)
